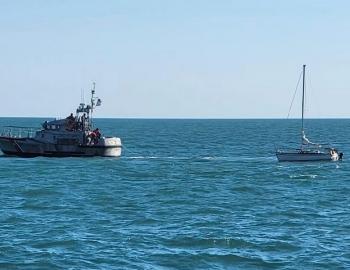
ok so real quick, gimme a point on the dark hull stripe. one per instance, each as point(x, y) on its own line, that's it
point(306, 160)
point(49, 154)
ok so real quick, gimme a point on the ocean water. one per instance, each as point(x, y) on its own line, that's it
point(186, 194)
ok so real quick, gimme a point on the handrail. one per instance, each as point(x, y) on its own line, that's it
point(21, 127)
point(18, 132)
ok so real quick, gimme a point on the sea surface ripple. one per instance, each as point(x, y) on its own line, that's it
point(186, 194)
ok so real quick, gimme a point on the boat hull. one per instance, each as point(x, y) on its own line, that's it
point(294, 157)
point(28, 147)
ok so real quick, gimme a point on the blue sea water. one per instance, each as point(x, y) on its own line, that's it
point(186, 194)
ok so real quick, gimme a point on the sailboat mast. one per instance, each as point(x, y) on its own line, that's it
point(302, 106)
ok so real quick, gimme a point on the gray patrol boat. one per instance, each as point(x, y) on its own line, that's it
point(74, 136)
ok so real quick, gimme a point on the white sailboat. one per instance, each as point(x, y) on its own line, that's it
point(308, 151)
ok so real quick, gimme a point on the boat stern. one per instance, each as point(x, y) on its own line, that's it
point(106, 147)
point(112, 147)
point(335, 154)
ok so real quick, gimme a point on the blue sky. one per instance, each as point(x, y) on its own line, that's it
point(174, 59)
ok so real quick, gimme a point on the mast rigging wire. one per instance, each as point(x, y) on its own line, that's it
point(295, 92)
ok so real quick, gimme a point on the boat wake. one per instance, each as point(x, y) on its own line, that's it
point(303, 176)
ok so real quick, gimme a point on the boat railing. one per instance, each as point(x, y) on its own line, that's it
point(18, 132)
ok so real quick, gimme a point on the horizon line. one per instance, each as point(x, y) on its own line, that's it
point(189, 118)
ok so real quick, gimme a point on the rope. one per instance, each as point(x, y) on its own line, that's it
point(128, 150)
point(295, 92)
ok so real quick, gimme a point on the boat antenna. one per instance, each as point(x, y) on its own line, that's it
point(95, 101)
point(82, 96)
point(92, 96)
point(302, 107)
point(92, 100)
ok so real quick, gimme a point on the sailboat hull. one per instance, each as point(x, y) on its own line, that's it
point(291, 157)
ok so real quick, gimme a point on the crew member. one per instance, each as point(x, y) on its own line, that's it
point(71, 122)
